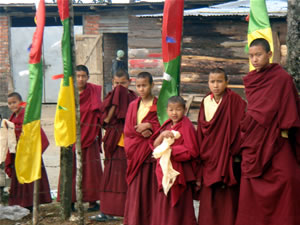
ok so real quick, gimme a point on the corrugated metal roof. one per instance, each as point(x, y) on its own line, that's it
point(276, 8)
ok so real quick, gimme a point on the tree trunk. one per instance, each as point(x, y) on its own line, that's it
point(78, 131)
point(66, 166)
point(293, 40)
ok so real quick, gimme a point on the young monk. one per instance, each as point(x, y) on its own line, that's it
point(175, 206)
point(90, 103)
point(114, 108)
point(270, 182)
point(140, 123)
point(22, 194)
point(218, 133)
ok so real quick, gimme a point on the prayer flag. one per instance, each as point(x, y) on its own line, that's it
point(171, 46)
point(65, 119)
point(259, 24)
point(29, 148)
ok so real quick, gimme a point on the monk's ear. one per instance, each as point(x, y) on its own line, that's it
point(270, 54)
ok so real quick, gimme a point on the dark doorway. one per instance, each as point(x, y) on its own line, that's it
point(112, 42)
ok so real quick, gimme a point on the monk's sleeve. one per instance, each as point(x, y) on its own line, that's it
point(289, 118)
point(189, 148)
point(45, 141)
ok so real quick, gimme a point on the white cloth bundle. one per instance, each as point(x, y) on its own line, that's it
point(7, 139)
point(163, 152)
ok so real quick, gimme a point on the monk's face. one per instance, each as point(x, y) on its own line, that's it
point(121, 81)
point(217, 84)
point(14, 104)
point(175, 112)
point(259, 57)
point(82, 78)
point(143, 87)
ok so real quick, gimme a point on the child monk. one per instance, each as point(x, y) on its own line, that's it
point(22, 194)
point(174, 201)
point(218, 133)
point(114, 108)
point(141, 122)
point(90, 103)
point(270, 181)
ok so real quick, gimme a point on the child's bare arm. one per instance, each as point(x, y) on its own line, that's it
point(110, 114)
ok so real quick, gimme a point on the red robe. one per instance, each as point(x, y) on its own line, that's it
point(270, 182)
point(114, 186)
point(22, 194)
point(90, 103)
point(177, 208)
point(142, 185)
point(219, 143)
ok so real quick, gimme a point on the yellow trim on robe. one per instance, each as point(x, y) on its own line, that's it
point(121, 141)
point(284, 134)
point(143, 110)
point(210, 107)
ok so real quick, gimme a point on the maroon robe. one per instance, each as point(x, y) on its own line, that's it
point(90, 103)
point(219, 143)
point(177, 207)
point(142, 185)
point(114, 186)
point(22, 194)
point(270, 182)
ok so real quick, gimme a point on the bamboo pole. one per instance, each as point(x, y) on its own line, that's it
point(36, 190)
point(78, 131)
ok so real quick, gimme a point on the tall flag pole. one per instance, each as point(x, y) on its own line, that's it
point(259, 24)
point(29, 149)
point(171, 46)
point(65, 119)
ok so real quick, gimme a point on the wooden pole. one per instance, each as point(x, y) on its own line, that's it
point(78, 131)
point(36, 190)
point(66, 166)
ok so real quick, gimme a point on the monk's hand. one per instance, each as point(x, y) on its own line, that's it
point(167, 134)
point(146, 133)
point(106, 120)
point(143, 127)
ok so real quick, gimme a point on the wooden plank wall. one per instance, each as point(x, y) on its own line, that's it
point(207, 43)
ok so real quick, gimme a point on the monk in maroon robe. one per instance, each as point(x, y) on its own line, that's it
point(22, 194)
point(114, 188)
point(270, 182)
point(177, 207)
point(90, 103)
point(142, 185)
point(218, 136)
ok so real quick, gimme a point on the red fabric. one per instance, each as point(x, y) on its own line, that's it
point(218, 205)
point(91, 174)
point(37, 40)
point(90, 103)
point(141, 195)
point(119, 97)
point(273, 104)
point(182, 213)
point(22, 194)
point(270, 181)
point(136, 146)
point(219, 139)
point(172, 28)
point(63, 9)
point(184, 150)
point(114, 186)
